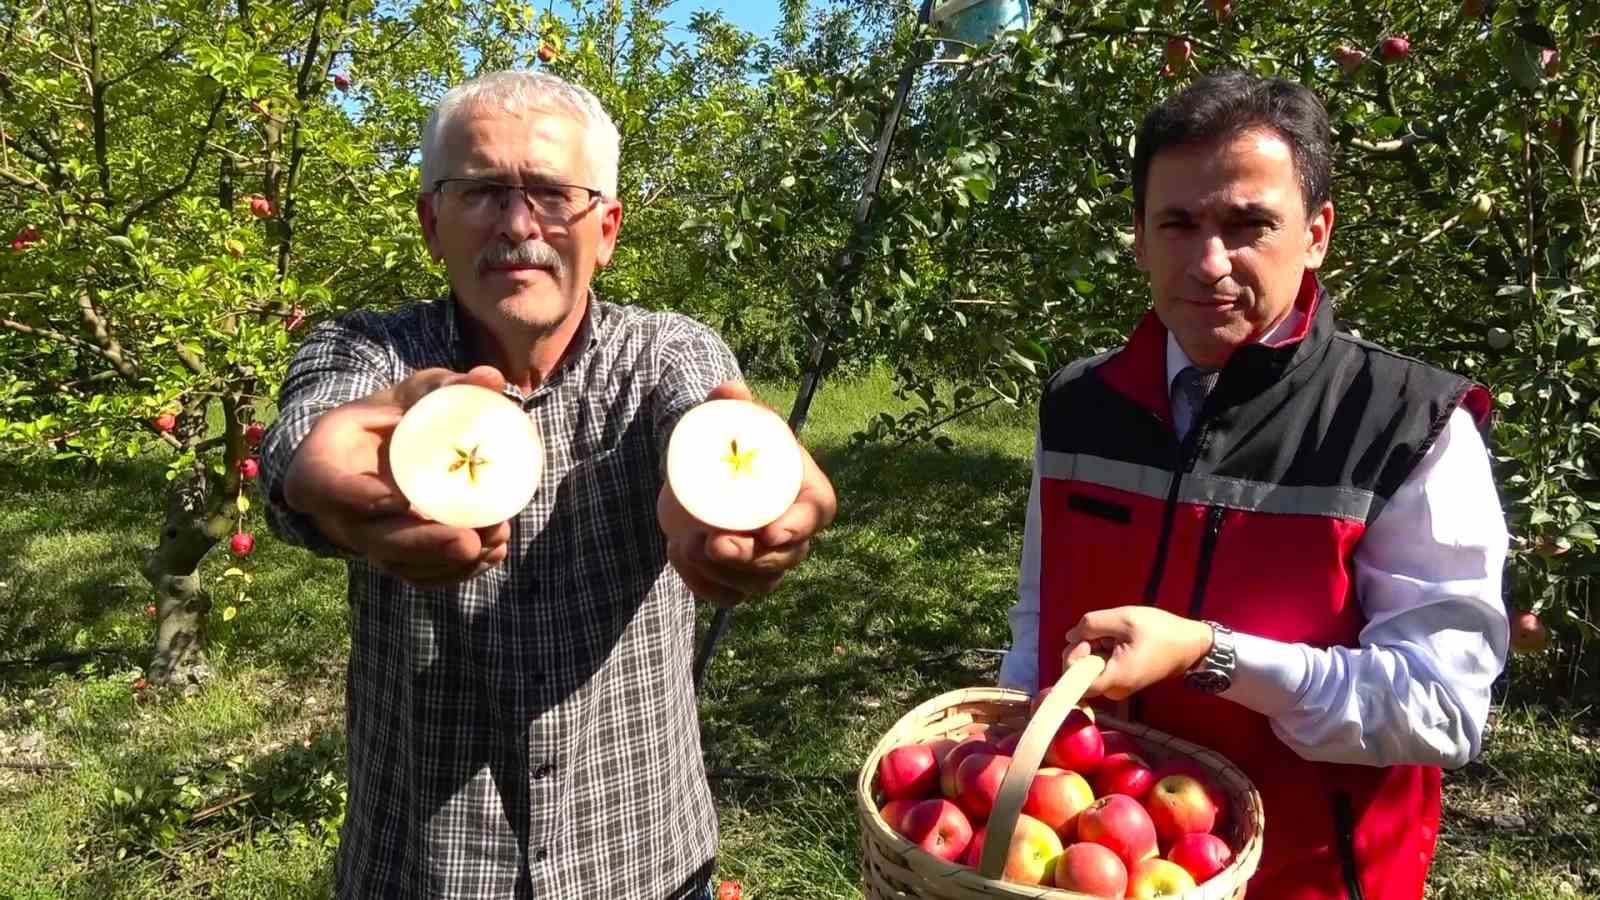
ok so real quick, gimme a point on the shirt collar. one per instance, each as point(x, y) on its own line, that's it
point(455, 337)
point(1177, 360)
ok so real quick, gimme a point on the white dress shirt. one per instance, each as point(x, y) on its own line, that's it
point(1427, 575)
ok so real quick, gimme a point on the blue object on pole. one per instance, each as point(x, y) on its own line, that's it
point(979, 21)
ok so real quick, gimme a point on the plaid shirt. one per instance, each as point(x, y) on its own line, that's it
point(531, 732)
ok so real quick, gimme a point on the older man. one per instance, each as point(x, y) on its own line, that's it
point(1286, 540)
point(520, 705)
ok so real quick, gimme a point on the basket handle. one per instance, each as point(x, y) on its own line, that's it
point(1063, 698)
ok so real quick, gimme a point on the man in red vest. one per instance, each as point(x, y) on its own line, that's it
point(1286, 540)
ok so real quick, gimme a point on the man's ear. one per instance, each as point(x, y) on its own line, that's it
point(430, 225)
point(1319, 231)
point(610, 212)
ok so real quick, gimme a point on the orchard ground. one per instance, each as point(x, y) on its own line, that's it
point(236, 789)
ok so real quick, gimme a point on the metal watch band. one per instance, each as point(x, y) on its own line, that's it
point(1213, 674)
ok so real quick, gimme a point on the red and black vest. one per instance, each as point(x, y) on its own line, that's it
point(1252, 521)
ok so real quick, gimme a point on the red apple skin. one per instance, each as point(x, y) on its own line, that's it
point(1394, 48)
point(1056, 797)
point(1092, 869)
point(978, 783)
point(253, 433)
point(1180, 805)
point(1032, 857)
point(1178, 52)
point(1201, 855)
point(1223, 8)
point(908, 771)
point(1119, 823)
point(1008, 744)
point(1179, 765)
point(894, 813)
point(1528, 633)
point(546, 53)
point(1472, 9)
point(249, 468)
point(341, 81)
point(241, 544)
point(1077, 745)
point(730, 890)
point(260, 207)
point(939, 827)
point(165, 422)
point(1158, 878)
point(950, 764)
point(1123, 773)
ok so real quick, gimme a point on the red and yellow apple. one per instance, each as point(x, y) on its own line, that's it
point(908, 771)
point(1180, 805)
point(1032, 856)
point(1077, 744)
point(978, 783)
point(1158, 878)
point(894, 812)
point(1201, 855)
point(939, 827)
point(1056, 797)
point(1179, 765)
point(1092, 869)
point(466, 456)
point(734, 464)
point(950, 763)
point(1118, 822)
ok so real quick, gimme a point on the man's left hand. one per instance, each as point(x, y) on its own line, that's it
point(728, 567)
point(1142, 645)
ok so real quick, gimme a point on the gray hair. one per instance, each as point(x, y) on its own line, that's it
point(516, 93)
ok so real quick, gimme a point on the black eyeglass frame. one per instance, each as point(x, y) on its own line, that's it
point(506, 188)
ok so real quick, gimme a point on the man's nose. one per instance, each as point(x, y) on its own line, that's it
point(517, 222)
point(1212, 262)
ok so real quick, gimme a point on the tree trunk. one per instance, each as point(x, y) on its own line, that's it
point(172, 568)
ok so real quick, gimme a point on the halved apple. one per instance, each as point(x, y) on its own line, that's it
point(734, 465)
point(466, 456)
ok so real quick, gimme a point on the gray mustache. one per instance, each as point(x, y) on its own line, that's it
point(531, 253)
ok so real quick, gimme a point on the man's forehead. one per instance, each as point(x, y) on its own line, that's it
point(1251, 172)
point(535, 140)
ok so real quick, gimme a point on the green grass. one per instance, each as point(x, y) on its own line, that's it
point(236, 790)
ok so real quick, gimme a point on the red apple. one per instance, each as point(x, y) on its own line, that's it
point(1077, 744)
point(1472, 9)
point(260, 207)
point(295, 319)
point(140, 683)
point(1179, 765)
point(150, 610)
point(1032, 856)
point(26, 237)
point(253, 433)
point(1223, 8)
point(242, 544)
point(1119, 742)
point(165, 422)
point(1201, 855)
point(730, 890)
point(1349, 58)
point(1055, 798)
point(908, 771)
point(1550, 62)
point(546, 53)
point(1180, 805)
point(1008, 744)
point(950, 763)
point(1118, 822)
point(894, 812)
point(249, 468)
point(1158, 878)
point(1528, 633)
point(1123, 773)
point(939, 827)
point(1179, 52)
point(1092, 869)
point(341, 81)
point(1394, 48)
point(1167, 71)
point(978, 782)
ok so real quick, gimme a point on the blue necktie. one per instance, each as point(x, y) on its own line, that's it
point(1189, 392)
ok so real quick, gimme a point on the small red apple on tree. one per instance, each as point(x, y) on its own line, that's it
point(253, 433)
point(1394, 48)
point(242, 543)
point(260, 207)
point(25, 238)
point(546, 52)
point(1179, 52)
point(140, 683)
point(165, 422)
point(296, 318)
point(1349, 58)
point(249, 468)
point(341, 81)
point(150, 610)
point(1528, 633)
point(1472, 10)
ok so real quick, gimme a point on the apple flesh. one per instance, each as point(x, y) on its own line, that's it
point(1092, 869)
point(466, 456)
point(1201, 855)
point(734, 465)
point(939, 827)
point(1158, 878)
point(908, 771)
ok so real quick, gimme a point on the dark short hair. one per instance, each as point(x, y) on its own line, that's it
point(1227, 104)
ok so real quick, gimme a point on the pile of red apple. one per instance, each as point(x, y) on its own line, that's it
point(1103, 816)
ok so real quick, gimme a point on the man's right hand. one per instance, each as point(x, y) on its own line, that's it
point(340, 478)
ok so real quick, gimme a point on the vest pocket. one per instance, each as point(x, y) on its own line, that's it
point(1344, 826)
point(1208, 549)
point(1100, 509)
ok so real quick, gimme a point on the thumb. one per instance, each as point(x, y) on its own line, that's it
point(1098, 625)
point(407, 393)
point(731, 390)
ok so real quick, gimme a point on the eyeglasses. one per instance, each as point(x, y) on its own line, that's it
point(485, 198)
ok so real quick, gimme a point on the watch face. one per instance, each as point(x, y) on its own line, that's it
point(1209, 681)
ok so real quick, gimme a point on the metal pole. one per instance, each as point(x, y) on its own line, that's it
point(849, 272)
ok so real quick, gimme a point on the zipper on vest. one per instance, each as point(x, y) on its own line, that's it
point(1344, 823)
point(1208, 548)
point(1188, 448)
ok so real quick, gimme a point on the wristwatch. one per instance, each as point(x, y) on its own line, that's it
point(1213, 674)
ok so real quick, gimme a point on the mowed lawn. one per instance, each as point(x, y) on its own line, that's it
point(236, 789)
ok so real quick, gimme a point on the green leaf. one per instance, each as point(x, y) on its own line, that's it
point(120, 240)
point(242, 502)
point(229, 612)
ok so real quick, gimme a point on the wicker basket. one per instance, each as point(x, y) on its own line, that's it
point(895, 869)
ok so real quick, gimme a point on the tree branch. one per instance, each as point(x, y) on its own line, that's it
point(1395, 147)
point(25, 181)
point(97, 99)
point(165, 53)
point(61, 338)
point(104, 342)
point(188, 176)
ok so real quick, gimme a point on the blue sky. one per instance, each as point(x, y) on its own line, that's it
point(751, 15)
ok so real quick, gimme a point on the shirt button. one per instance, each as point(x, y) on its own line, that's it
point(542, 773)
point(541, 854)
